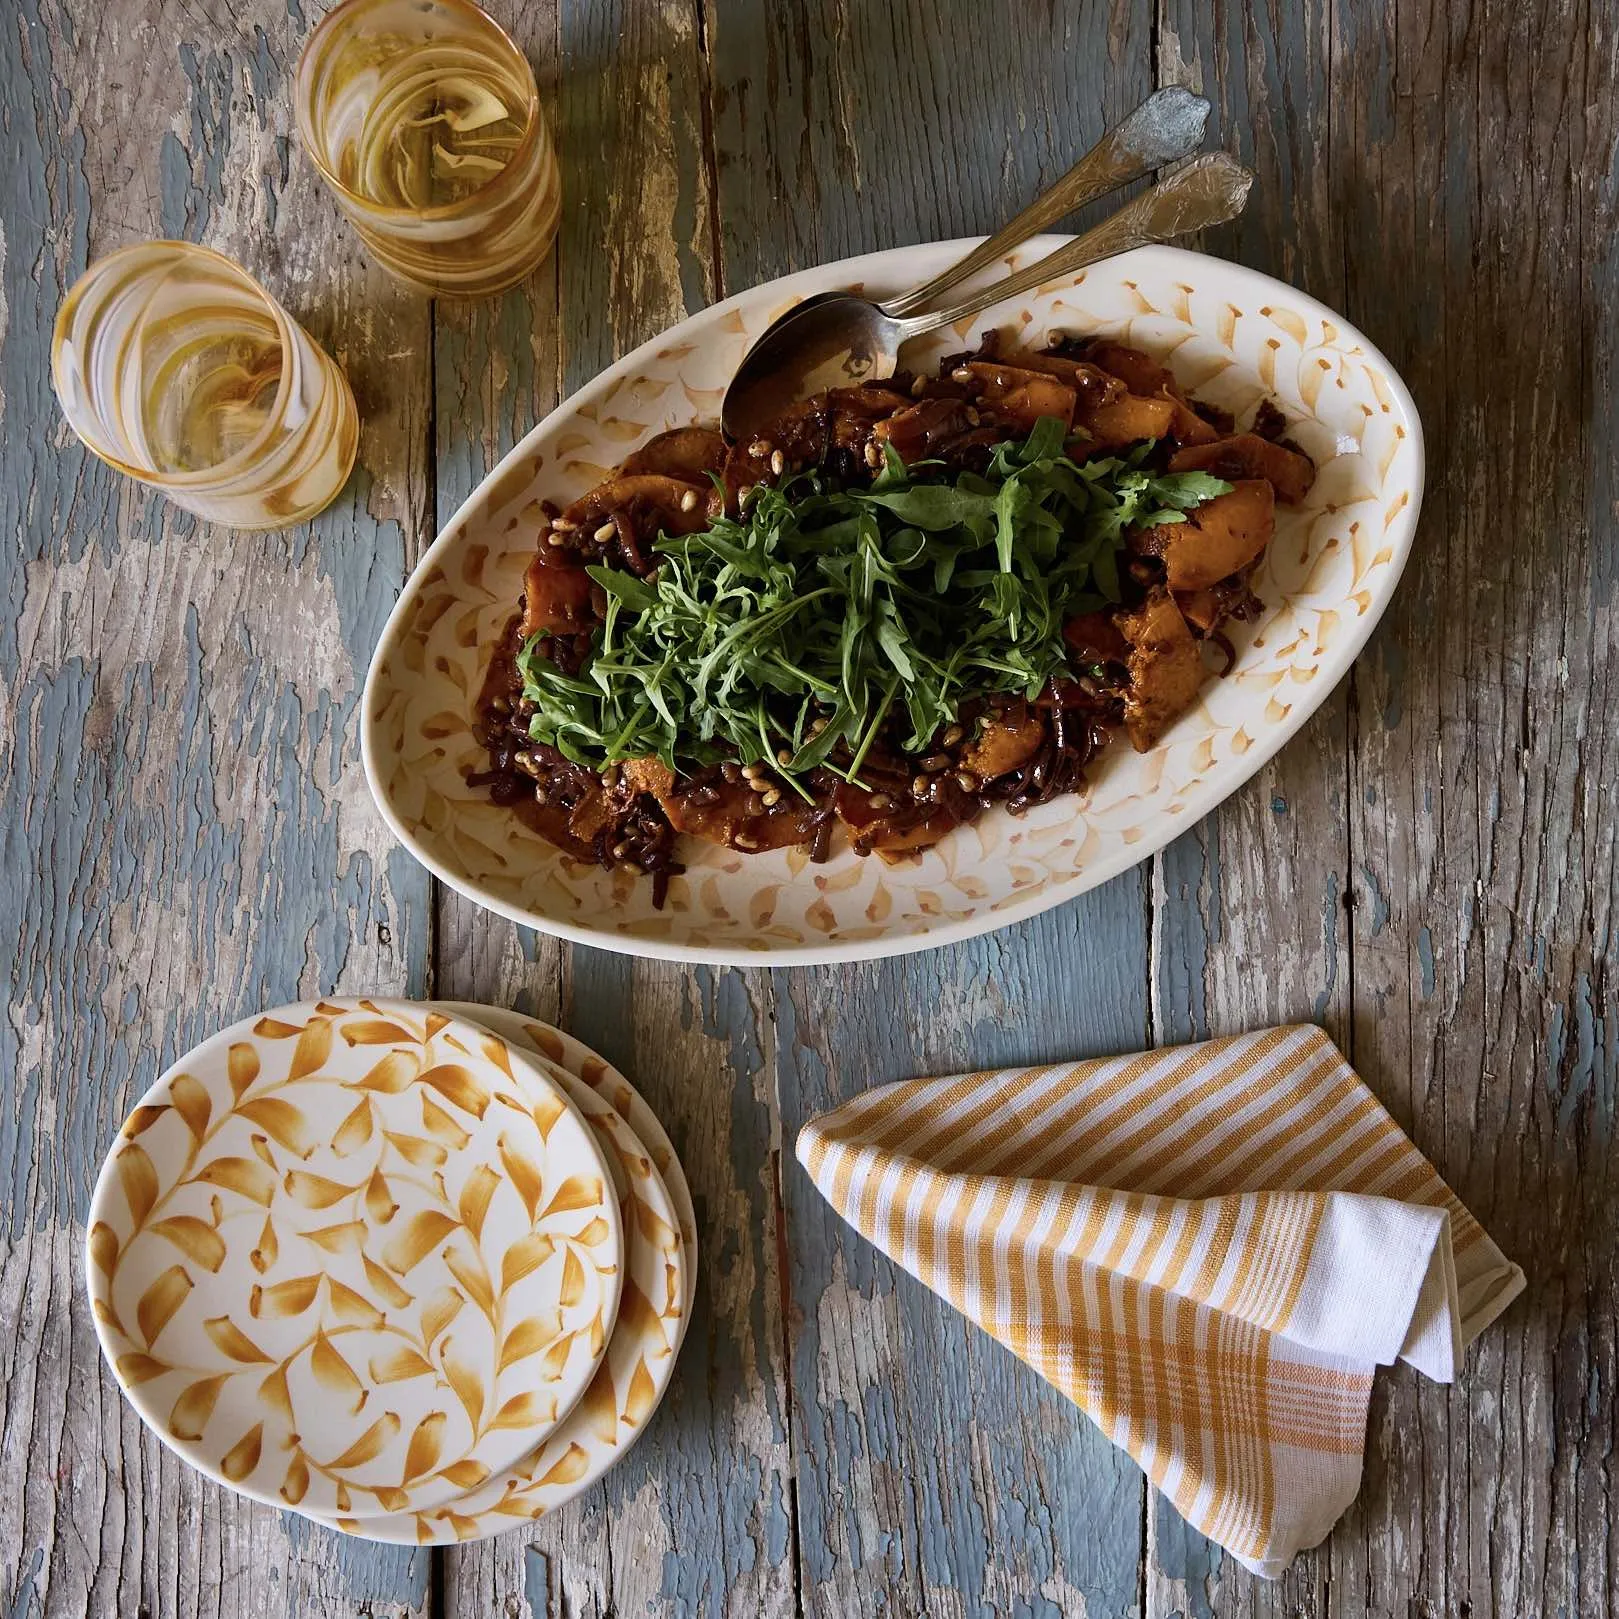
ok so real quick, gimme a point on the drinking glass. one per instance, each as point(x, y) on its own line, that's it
point(174, 365)
point(424, 119)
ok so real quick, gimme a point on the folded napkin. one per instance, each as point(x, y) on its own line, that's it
point(1208, 1249)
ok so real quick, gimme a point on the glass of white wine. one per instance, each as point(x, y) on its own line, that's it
point(424, 118)
point(175, 366)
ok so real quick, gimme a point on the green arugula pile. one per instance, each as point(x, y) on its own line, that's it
point(853, 606)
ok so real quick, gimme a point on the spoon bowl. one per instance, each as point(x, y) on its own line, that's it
point(834, 340)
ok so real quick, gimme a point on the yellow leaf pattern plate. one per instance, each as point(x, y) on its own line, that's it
point(354, 1256)
point(660, 1276)
point(573, 1055)
point(1231, 335)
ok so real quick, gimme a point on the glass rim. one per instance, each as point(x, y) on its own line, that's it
point(302, 108)
point(273, 422)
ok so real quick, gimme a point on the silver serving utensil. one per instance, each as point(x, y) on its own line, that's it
point(1166, 127)
point(845, 339)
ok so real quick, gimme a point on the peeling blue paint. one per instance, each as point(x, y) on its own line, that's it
point(366, 1571)
point(1190, 925)
point(24, 1601)
point(1278, 804)
point(174, 189)
point(204, 158)
point(264, 72)
point(1577, 1077)
point(1392, 656)
point(1186, 1558)
point(1329, 945)
point(970, 1410)
point(537, 1582)
point(1425, 960)
point(1380, 902)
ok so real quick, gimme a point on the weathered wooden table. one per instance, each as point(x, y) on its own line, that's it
point(1429, 870)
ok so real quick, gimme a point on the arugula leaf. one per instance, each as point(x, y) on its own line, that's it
point(933, 506)
point(636, 594)
point(859, 608)
point(1046, 442)
point(1183, 489)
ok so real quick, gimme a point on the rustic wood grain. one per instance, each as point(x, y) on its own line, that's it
point(1459, 173)
point(935, 1475)
point(1481, 794)
point(1429, 869)
point(697, 1520)
point(1250, 925)
point(186, 834)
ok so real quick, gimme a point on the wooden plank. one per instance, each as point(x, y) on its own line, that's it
point(186, 834)
point(1249, 920)
point(696, 1520)
point(840, 129)
point(1485, 749)
point(934, 1474)
point(1480, 855)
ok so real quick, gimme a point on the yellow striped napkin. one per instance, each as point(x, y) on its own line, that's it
point(1208, 1249)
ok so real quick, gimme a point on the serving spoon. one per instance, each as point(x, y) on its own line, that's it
point(844, 339)
point(1167, 126)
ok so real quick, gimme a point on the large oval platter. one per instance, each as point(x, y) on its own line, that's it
point(1231, 336)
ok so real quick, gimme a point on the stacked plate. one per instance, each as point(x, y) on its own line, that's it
point(419, 1271)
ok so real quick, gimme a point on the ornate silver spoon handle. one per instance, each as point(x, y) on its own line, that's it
point(1208, 191)
point(1165, 127)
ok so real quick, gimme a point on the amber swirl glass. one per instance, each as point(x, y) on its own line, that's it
point(175, 366)
point(424, 118)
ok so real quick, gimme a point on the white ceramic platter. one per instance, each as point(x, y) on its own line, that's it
point(355, 1256)
point(660, 1264)
point(1231, 336)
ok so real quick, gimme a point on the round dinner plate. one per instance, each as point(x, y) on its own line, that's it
point(355, 1256)
point(660, 1277)
point(573, 1055)
point(1231, 336)
point(575, 1058)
